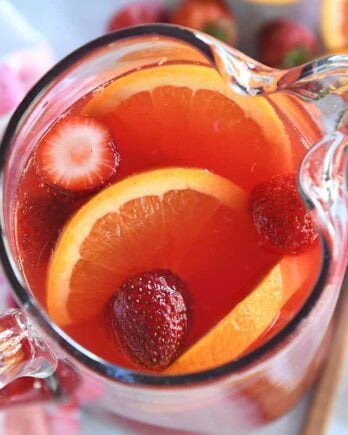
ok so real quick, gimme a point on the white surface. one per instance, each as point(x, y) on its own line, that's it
point(69, 23)
point(15, 32)
point(290, 424)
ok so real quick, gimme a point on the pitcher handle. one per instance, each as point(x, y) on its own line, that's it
point(22, 351)
point(323, 182)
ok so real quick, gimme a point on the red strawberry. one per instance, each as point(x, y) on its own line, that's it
point(285, 44)
point(39, 220)
point(77, 155)
point(145, 12)
point(209, 16)
point(149, 317)
point(280, 215)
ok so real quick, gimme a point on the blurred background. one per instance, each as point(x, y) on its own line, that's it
point(34, 34)
point(85, 20)
point(280, 33)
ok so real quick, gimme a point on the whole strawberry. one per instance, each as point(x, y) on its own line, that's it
point(280, 216)
point(285, 44)
point(209, 16)
point(40, 219)
point(144, 12)
point(149, 317)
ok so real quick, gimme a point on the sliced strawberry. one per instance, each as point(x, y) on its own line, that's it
point(77, 155)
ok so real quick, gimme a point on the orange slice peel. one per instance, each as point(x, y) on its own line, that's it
point(193, 118)
point(71, 248)
point(238, 330)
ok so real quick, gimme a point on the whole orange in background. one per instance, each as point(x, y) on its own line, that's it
point(274, 2)
point(334, 23)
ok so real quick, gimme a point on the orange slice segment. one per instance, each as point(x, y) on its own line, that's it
point(147, 221)
point(234, 334)
point(334, 23)
point(186, 115)
point(246, 324)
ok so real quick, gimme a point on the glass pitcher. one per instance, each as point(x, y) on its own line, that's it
point(40, 362)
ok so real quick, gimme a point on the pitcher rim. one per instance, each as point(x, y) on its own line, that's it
point(84, 356)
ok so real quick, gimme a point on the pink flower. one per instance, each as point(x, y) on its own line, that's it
point(28, 420)
point(11, 89)
point(64, 419)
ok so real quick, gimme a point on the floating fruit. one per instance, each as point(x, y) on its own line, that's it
point(78, 154)
point(204, 123)
point(280, 216)
point(149, 317)
point(145, 222)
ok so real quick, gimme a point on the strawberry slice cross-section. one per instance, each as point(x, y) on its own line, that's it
point(77, 155)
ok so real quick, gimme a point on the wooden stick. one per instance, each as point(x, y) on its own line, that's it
point(320, 412)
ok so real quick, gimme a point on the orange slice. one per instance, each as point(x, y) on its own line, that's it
point(186, 115)
point(247, 322)
point(241, 327)
point(148, 221)
point(334, 23)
